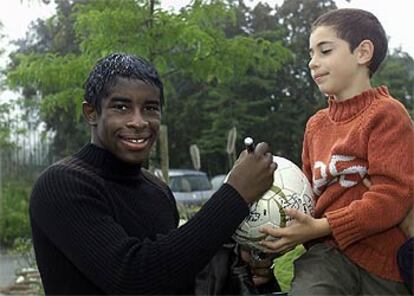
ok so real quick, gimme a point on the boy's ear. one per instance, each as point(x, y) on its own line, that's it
point(90, 114)
point(365, 52)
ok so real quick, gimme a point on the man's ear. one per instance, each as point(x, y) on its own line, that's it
point(90, 113)
point(365, 52)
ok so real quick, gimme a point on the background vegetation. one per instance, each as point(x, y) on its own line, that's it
point(224, 65)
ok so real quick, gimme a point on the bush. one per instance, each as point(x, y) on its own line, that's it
point(23, 248)
point(14, 221)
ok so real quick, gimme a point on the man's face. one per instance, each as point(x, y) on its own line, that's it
point(334, 68)
point(129, 121)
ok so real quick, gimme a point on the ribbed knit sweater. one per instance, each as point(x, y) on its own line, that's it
point(358, 154)
point(101, 226)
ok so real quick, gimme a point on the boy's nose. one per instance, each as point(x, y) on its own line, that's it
point(313, 63)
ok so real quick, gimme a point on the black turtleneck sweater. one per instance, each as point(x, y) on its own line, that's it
point(101, 226)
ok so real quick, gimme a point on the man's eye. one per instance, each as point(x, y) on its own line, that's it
point(120, 107)
point(326, 51)
point(154, 108)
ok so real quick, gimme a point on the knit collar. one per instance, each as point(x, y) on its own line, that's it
point(348, 109)
point(107, 165)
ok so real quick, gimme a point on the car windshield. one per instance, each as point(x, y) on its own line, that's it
point(189, 183)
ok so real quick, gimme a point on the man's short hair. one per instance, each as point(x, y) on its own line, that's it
point(354, 26)
point(106, 71)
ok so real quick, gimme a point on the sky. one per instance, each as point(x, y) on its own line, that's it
point(395, 15)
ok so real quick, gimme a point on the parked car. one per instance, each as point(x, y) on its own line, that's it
point(190, 187)
point(217, 181)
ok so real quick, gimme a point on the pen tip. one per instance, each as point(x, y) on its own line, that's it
point(248, 141)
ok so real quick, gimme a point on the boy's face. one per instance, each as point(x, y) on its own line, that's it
point(129, 121)
point(334, 68)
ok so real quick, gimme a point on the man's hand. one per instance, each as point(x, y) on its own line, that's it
point(302, 229)
point(252, 174)
point(262, 271)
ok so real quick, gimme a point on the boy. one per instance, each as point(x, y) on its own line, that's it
point(102, 225)
point(358, 155)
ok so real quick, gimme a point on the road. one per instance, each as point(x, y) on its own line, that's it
point(8, 266)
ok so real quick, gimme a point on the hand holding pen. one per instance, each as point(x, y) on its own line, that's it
point(252, 173)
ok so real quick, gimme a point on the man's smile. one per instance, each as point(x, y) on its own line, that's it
point(135, 142)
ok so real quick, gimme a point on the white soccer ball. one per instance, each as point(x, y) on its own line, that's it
point(290, 189)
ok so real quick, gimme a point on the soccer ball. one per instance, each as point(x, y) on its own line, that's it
point(290, 189)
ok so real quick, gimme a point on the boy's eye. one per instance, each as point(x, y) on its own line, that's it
point(326, 51)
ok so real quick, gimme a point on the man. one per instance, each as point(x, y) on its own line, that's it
point(103, 225)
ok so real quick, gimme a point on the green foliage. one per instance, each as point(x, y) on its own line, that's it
point(283, 270)
point(23, 248)
point(14, 222)
point(223, 65)
point(397, 73)
point(192, 46)
point(297, 97)
point(5, 129)
point(1, 37)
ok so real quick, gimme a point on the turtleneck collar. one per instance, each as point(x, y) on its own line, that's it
point(107, 165)
point(340, 111)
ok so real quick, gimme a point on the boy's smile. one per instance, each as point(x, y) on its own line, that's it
point(129, 120)
point(335, 69)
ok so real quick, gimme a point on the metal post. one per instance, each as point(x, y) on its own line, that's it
point(164, 159)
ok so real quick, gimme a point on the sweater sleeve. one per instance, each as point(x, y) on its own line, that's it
point(306, 162)
point(389, 134)
point(69, 212)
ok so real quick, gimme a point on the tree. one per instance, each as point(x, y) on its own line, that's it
point(190, 48)
point(397, 73)
point(211, 109)
point(299, 98)
point(51, 37)
point(223, 63)
point(1, 37)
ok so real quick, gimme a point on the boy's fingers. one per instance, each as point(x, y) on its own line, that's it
point(279, 246)
point(296, 215)
point(273, 231)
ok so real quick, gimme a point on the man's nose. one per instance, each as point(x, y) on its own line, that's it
point(137, 120)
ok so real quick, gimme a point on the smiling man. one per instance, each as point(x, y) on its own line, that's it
point(103, 225)
point(129, 120)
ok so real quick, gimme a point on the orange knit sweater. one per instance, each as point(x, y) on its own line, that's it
point(359, 156)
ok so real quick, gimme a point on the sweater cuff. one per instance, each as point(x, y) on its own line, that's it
point(344, 228)
point(229, 198)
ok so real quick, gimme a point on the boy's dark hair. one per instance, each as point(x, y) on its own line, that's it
point(106, 71)
point(355, 25)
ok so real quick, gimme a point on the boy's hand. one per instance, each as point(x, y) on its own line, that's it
point(407, 225)
point(304, 228)
point(252, 174)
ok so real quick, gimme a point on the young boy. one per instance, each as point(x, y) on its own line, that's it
point(358, 155)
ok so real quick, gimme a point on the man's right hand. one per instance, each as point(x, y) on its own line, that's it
point(252, 174)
